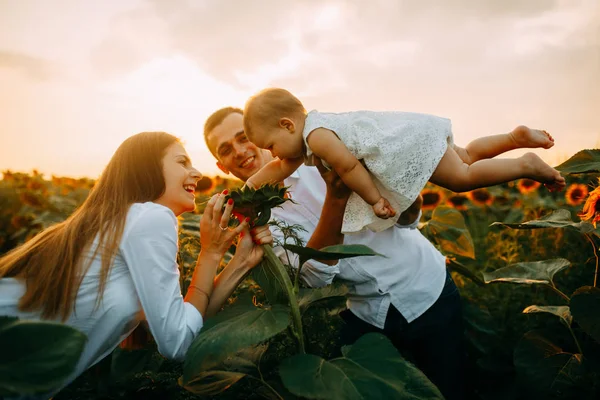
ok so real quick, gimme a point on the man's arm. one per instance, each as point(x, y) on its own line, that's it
point(410, 215)
point(328, 231)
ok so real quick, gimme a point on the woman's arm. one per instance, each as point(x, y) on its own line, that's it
point(274, 171)
point(248, 254)
point(214, 242)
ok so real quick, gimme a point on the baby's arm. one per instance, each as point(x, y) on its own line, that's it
point(326, 145)
point(274, 171)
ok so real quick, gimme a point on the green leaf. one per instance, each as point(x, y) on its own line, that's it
point(246, 359)
point(231, 330)
point(563, 312)
point(545, 368)
point(448, 230)
point(37, 356)
point(462, 269)
point(6, 321)
point(372, 368)
point(557, 219)
point(307, 297)
point(126, 363)
point(270, 283)
point(583, 162)
point(336, 252)
point(585, 305)
point(541, 272)
point(211, 383)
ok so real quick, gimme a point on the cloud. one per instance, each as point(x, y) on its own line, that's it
point(415, 50)
point(33, 67)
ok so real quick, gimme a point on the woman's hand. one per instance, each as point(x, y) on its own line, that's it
point(249, 250)
point(215, 235)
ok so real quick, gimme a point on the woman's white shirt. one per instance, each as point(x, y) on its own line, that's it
point(144, 277)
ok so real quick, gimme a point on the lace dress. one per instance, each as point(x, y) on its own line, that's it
point(400, 149)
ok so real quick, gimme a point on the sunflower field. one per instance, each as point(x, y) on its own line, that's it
point(525, 261)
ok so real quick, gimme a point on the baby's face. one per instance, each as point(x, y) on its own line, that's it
point(282, 141)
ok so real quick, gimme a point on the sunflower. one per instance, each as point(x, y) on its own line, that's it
point(526, 186)
point(481, 197)
point(205, 185)
point(431, 198)
point(576, 194)
point(591, 208)
point(458, 201)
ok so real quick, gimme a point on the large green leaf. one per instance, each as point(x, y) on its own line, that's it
point(563, 312)
point(306, 297)
point(37, 356)
point(372, 368)
point(448, 230)
point(211, 383)
point(583, 162)
point(529, 273)
point(585, 307)
point(546, 369)
point(557, 219)
point(233, 368)
point(231, 330)
point(336, 252)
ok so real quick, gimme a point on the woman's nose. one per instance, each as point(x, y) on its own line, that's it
point(196, 174)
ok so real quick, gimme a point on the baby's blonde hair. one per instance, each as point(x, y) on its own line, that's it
point(268, 106)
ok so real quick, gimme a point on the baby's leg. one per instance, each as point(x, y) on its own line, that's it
point(458, 176)
point(490, 146)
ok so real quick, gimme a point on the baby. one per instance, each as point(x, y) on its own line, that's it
point(386, 158)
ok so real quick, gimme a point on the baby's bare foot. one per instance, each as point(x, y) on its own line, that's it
point(531, 138)
point(540, 171)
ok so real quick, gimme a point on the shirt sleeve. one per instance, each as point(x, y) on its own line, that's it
point(149, 247)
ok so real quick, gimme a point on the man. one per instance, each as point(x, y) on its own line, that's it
point(408, 296)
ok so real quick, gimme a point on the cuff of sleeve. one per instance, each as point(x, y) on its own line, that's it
point(414, 225)
point(193, 317)
point(318, 274)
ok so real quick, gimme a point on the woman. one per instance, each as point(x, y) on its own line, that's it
point(116, 256)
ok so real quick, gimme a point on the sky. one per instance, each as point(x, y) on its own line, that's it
point(79, 77)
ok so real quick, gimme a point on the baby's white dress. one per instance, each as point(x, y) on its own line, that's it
point(400, 149)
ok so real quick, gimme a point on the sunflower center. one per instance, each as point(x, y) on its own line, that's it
point(431, 198)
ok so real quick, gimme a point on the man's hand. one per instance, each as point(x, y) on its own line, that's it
point(411, 214)
point(335, 186)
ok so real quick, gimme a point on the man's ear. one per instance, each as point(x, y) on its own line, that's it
point(288, 124)
point(222, 167)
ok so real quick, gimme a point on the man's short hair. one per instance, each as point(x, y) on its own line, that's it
point(217, 119)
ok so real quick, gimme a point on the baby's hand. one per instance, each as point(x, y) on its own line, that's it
point(383, 209)
point(249, 184)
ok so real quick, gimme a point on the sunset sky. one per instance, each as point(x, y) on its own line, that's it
point(78, 77)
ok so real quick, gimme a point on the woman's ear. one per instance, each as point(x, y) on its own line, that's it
point(288, 124)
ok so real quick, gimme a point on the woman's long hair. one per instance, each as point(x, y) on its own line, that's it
point(51, 263)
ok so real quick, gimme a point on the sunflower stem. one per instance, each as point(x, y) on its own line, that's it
point(591, 240)
point(575, 339)
point(279, 270)
point(564, 296)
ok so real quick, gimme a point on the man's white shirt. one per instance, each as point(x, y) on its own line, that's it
point(411, 276)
